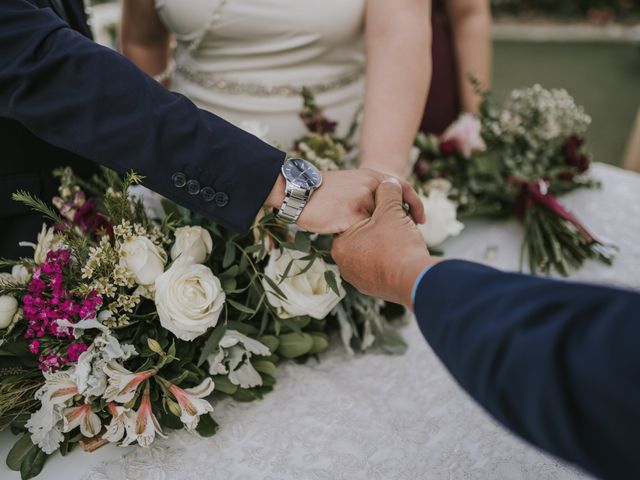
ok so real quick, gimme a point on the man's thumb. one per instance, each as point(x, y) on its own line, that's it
point(389, 195)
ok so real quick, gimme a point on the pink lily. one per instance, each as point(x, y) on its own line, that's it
point(191, 401)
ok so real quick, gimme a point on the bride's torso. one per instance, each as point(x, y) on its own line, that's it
point(246, 60)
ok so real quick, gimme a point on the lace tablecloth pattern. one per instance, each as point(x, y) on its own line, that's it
point(377, 417)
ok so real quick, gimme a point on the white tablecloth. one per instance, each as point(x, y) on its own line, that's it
point(374, 416)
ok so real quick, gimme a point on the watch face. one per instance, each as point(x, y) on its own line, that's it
point(302, 173)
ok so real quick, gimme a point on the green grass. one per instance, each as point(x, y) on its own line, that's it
point(603, 77)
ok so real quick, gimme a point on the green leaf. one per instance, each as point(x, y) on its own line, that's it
point(230, 273)
point(293, 325)
point(330, 277)
point(240, 307)
point(243, 395)
point(253, 248)
point(180, 378)
point(212, 343)
point(207, 426)
point(302, 242)
point(19, 451)
point(229, 284)
point(285, 274)
point(276, 289)
point(229, 254)
point(222, 384)
point(268, 380)
point(32, 464)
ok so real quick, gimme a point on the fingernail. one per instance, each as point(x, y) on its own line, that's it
point(392, 180)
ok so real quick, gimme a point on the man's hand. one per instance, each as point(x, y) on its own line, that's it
point(383, 255)
point(345, 198)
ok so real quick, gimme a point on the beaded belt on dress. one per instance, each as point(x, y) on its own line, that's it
point(216, 82)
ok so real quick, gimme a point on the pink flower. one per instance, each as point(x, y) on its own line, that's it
point(121, 417)
point(74, 351)
point(82, 416)
point(191, 401)
point(146, 426)
point(34, 346)
point(465, 132)
point(123, 384)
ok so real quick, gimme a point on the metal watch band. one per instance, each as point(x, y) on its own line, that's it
point(294, 201)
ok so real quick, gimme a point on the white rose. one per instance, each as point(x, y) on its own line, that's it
point(307, 293)
point(441, 218)
point(8, 310)
point(194, 242)
point(189, 299)
point(143, 259)
point(46, 241)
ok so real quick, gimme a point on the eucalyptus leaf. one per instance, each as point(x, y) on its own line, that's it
point(240, 307)
point(276, 289)
point(302, 242)
point(229, 254)
point(330, 277)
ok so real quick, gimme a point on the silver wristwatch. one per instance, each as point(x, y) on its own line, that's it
point(302, 179)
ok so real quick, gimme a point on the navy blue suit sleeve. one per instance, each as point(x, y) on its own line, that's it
point(92, 101)
point(556, 362)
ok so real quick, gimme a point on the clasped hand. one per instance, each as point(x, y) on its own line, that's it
point(345, 198)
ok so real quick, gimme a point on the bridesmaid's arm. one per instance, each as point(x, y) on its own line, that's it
point(471, 28)
point(143, 37)
point(398, 42)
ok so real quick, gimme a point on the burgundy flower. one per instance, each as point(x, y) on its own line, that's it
point(573, 154)
point(566, 176)
point(448, 147)
point(90, 219)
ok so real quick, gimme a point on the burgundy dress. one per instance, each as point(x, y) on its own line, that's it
point(443, 103)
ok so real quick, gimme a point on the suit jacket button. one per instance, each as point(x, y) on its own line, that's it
point(221, 199)
point(179, 179)
point(193, 187)
point(207, 194)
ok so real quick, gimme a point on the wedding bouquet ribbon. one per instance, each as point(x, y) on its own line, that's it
point(532, 193)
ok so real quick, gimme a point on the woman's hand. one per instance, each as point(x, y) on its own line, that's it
point(345, 198)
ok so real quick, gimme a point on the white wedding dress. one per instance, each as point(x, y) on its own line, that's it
point(247, 60)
